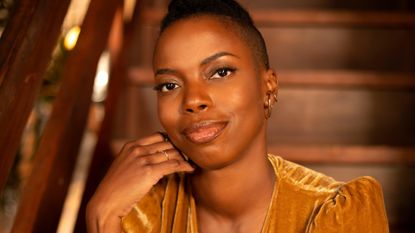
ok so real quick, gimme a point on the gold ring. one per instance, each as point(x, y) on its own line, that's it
point(165, 154)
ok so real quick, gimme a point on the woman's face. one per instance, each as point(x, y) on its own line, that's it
point(211, 93)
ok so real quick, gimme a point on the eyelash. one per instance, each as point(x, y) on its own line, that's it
point(226, 69)
point(229, 70)
point(161, 86)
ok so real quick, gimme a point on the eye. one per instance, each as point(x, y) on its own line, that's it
point(166, 87)
point(222, 72)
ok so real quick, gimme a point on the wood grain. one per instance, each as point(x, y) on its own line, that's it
point(25, 52)
point(43, 196)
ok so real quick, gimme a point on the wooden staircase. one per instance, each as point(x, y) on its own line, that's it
point(347, 100)
point(339, 57)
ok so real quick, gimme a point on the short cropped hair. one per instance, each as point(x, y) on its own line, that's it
point(228, 10)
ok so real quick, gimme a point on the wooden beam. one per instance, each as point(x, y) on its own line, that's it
point(12, 37)
point(332, 18)
point(102, 156)
point(25, 51)
point(43, 196)
point(138, 76)
point(333, 154)
point(272, 17)
point(344, 154)
point(349, 79)
point(321, 78)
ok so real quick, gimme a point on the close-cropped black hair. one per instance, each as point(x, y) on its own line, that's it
point(229, 10)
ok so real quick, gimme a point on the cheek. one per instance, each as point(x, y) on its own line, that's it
point(166, 114)
point(245, 99)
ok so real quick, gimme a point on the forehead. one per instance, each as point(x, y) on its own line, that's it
point(195, 38)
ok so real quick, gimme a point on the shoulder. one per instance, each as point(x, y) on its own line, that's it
point(303, 178)
point(358, 206)
point(329, 205)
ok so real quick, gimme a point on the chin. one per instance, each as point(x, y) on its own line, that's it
point(210, 157)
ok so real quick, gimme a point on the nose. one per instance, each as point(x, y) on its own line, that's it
point(196, 99)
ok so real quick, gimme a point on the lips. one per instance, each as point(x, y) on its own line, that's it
point(204, 132)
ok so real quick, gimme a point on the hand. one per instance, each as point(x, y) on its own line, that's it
point(137, 168)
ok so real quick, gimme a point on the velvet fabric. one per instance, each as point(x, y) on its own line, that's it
point(302, 201)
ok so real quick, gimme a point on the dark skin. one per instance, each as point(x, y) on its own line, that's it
point(212, 95)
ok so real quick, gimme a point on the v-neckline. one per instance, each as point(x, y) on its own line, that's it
point(192, 226)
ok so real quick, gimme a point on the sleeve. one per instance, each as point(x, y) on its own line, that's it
point(146, 214)
point(356, 207)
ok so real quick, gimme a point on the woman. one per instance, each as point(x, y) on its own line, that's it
point(211, 171)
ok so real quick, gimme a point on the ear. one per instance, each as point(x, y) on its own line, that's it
point(271, 82)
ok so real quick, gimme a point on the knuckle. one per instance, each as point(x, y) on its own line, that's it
point(137, 150)
point(148, 171)
point(143, 161)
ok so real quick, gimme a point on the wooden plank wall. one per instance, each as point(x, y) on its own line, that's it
point(347, 100)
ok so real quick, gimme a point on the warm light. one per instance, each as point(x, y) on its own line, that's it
point(71, 38)
point(101, 78)
point(100, 86)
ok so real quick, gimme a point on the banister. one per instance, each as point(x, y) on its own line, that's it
point(44, 194)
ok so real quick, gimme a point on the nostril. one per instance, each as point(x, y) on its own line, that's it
point(202, 106)
point(197, 108)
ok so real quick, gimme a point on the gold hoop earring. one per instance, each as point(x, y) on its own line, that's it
point(268, 109)
point(269, 105)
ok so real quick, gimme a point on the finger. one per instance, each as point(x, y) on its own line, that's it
point(160, 170)
point(160, 157)
point(150, 149)
point(154, 138)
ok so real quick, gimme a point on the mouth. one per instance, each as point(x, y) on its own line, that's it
point(204, 132)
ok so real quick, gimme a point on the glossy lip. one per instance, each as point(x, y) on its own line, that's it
point(204, 131)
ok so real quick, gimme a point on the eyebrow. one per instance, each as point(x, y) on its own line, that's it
point(165, 71)
point(204, 62)
point(216, 56)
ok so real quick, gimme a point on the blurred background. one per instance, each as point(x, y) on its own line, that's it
point(76, 84)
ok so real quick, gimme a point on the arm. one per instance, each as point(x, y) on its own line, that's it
point(137, 168)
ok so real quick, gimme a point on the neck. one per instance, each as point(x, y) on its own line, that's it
point(238, 190)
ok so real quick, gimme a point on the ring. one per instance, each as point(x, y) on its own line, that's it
point(165, 154)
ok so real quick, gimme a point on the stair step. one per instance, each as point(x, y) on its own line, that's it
point(331, 154)
point(272, 17)
point(317, 78)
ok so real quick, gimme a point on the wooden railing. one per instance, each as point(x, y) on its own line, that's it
point(26, 49)
point(24, 55)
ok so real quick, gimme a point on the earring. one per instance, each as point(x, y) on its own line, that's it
point(269, 105)
point(275, 97)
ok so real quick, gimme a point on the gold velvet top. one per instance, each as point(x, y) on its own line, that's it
point(302, 201)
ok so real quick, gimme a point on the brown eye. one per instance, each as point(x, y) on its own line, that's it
point(166, 87)
point(222, 72)
point(170, 86)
